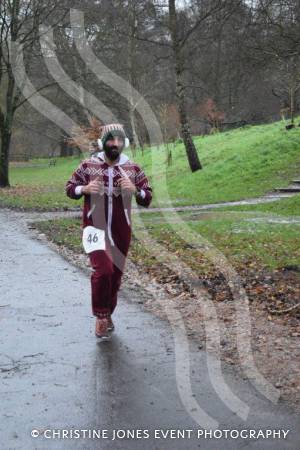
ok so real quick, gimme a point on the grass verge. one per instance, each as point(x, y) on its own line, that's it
point(242, 241)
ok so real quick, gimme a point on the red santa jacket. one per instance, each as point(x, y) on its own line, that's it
point(111, 210)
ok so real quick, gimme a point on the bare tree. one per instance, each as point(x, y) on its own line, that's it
point(132, 29)
point(190, 148)
point(181, 34)
point(279, 46)
point(19, 22)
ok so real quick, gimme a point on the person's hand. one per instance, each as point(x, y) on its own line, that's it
point(127, 185)
point(92, 188)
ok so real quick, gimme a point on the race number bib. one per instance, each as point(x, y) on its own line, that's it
point(93, 239)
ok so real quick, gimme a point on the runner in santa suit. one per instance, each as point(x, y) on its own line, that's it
point(108, 180)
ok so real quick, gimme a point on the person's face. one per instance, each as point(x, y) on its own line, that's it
point(113, 147)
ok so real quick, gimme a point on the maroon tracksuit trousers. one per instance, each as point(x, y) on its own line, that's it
point(108, 267)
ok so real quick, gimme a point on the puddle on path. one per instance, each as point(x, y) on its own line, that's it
point(277, 220)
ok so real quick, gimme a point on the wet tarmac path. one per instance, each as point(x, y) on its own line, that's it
point(55, 375)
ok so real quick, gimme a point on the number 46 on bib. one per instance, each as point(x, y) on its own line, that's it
point(93, 239)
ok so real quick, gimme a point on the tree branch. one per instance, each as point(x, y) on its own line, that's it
point(211, 11)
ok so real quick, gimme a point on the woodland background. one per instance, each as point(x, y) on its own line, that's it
point(236, 62)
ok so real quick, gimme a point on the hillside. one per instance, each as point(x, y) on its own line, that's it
point(237, 164)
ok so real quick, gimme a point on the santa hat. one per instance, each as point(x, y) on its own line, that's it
point(115, 129)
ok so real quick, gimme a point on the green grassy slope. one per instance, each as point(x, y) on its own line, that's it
point(239, 164)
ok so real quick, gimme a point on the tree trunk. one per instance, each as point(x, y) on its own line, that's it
point(6, 121)
point(133, 127)
point(132, 24)
point(190, 148)
point(4, 157)
point(217, 68)
point(292, 103)
point(65, 148)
